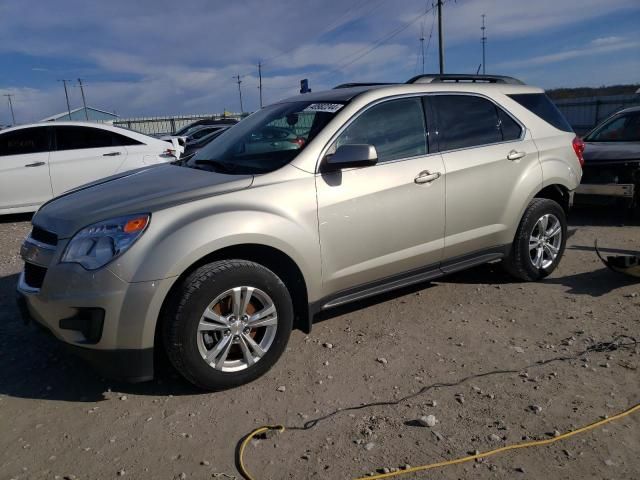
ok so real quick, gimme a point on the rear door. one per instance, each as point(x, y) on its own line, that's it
point(24, 168)
point(82, 155)
point(488, 156)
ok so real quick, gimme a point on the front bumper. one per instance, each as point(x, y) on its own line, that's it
point(117, 335)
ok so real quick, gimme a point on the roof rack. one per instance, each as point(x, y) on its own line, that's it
point(372, 84)
point(456, 78)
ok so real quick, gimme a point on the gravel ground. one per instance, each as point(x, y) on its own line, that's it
point(464, 349)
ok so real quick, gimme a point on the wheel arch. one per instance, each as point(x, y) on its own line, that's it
point(270, 257)
point(558, 193)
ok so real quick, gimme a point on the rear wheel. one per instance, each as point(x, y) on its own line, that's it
point(228, 324)
point(540, 241)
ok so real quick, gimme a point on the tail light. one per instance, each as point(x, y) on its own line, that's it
point(578, 147)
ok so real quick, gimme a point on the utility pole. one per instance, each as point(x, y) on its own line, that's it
point(422, 46)
point(84, 101)
point(66, 94)
point(13, 117)
point(440, 37)
point(260, 81)
point(238, 81)
point(484, 42)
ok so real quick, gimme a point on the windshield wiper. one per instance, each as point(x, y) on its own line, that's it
point(220, 167)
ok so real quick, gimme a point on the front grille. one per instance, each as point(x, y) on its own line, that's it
point(43, 236)
point(34, 275)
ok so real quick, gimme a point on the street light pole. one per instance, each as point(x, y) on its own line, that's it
point(13, 117)
point(84, 101)
point(440, 37)
point(66, 94)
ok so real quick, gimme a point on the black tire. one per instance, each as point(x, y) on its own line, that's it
point(519, 262)
point(199, 289)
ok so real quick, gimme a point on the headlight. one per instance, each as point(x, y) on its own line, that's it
point(96, 245)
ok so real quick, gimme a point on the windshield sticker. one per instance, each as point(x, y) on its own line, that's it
point(324, 107)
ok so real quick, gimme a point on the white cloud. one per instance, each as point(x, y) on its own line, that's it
point(593, 49)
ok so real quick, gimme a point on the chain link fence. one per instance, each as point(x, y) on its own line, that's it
point(168, 125)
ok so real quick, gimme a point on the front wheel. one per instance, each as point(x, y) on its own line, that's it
point(228, 324)
point(540, 241)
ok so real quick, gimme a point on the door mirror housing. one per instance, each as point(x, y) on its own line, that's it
point(354, 155)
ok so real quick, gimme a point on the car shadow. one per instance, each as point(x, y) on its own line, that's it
point(600, 216)
point(37, 366)
point(16, 218)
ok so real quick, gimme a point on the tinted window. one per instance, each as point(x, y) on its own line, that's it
point(465, 121)
point(509, 127)
point(539, 104)
point(396, 128)
point(74, 138)
point(623, 128)
point(123, 140)
point(23, 141)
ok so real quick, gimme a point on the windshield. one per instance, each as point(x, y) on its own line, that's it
point(623, 128)
point(267, 139)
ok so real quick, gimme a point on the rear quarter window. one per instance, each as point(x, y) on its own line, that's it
point(540, 105)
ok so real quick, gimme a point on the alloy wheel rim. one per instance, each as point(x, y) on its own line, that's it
point(237, 329)
point(545, 240)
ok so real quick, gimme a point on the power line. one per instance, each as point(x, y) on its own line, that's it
point(13, 117)
point(395, 32)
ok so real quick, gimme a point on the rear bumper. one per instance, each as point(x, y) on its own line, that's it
point(620, 190)
point(129, 365)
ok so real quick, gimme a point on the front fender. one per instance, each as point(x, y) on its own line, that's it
point(179, 237)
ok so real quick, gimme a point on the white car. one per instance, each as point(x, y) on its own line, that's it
point(41, 161)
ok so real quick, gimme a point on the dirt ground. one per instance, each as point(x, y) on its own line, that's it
point(464, 349)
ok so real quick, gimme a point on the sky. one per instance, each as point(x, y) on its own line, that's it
point(161, 57)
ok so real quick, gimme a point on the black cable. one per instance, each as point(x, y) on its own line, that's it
point(617, 343)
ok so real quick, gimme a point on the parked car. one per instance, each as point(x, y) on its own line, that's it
point(41, 161)
point(612, 161)
point(192, 147)
point(215, 261)
point(199, 129)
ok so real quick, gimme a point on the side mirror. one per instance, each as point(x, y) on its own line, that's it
point(355, 155)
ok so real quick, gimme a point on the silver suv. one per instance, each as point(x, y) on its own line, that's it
point(313, 202)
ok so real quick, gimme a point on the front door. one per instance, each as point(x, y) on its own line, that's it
point(384, 220)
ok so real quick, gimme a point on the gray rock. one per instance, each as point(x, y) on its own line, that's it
point(495, 438)
point(427, 421)
point(327, 345)
point(369, 446)
point(281, 388)
point(381, 360)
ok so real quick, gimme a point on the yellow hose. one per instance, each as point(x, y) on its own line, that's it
point(534, 443)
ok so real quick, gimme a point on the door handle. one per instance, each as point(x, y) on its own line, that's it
point(36, 164)
point(515, 155)
point(426, 177)
point(111, 154)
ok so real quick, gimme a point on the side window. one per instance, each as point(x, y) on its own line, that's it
point(396, 128)
point(510, 128)
point(24, 141)
point(465, 121)
point(123, 140)
point(74, 138)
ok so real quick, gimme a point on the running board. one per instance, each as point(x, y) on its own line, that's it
point(395, 283)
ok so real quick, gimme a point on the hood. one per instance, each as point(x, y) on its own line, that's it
point(137, 191)
point(610, 152)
